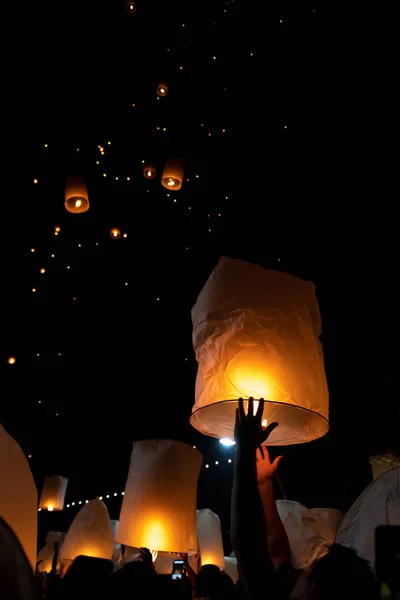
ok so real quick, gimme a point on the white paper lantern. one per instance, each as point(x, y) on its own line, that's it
point(209, 538)
point(381, 463)
point(46, 554)
point(309, 531)
point(90, 533)
point(159, 506)
point(53, 493)
point(231, 568)
point(76, 195)
point(172, 176)
point(255, 333)
point(18, 495)
point(377, 505)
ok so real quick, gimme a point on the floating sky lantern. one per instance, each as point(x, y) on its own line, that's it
point(173, 174)
point(115, 233)
point(162, 89)
point(76, 195)
point(149, 171)
point(159, 506)
point(256, 334)
point(53, 493)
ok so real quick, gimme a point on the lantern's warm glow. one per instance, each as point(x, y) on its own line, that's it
point(76, 195)
point(53, 493)
point(162, 89)
point(173, 174)
point(227, 442)
point(255, 334)
point(153, 514)
point(43, 271)
point(11, 360)
point(149, 171)
point(131, 7)
point(115, 233)
point(90, 533)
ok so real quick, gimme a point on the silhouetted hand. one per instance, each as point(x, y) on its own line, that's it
point(146, 557)
point(249, 433)
point(266, 469)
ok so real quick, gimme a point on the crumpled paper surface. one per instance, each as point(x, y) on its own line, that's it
point(90, 533)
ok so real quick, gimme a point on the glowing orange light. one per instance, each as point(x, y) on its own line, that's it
point(11, 360)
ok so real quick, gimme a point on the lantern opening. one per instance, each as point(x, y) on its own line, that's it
point(50, 508)
point(227, 442)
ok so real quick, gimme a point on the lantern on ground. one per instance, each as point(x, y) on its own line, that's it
point(115, 233)
point(18, 495)
point(162, 89)
point(149, 171)
point(53, 493)
point(173, 174)
point(90, 533)
point(209, 538)
point(255, 334)
point(76, 195)
point(46, 554)
point(309, 531)
point(159, 506)
point(381, 463)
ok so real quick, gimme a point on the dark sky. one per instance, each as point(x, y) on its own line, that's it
point(298, 167)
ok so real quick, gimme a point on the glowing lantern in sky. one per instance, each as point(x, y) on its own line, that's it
point(131, 7)
point(159, 506)
point(255, 333)
point(53, 493)
point(18, 495)
point(381, 463)
point(90, 533)
point(162, 89)
point(115, 233)
point(209, 538)
point(11, 360)
point(149, 171)
point(76, 195)
point(173, 174)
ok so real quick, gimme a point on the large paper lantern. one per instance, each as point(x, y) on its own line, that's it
point(255, 333)
point(172, 176)
point(45, 557)
point(90, 533)
point(76, 195)
point(309, 531)
point(381, 463)
point(378, 504)
point(231, 568)
point(159, 506)
point(18, 495)
point(209, 538)
point(53, 493)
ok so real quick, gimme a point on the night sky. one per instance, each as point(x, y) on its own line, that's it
point(286, 165)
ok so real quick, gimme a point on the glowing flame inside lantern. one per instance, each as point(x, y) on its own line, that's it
point(50, 508)
point(171, 182)
point(78, 203)
point(248, 376)
point(149, 173)
point(162, 90)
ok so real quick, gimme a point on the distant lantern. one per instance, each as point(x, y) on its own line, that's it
point(209, 538)
point(115, 233)
point(159, 506)
point(53, 493)
point(149, 171)
point(90, 533)
point(256, 334)
point(162, 89)
point(11, 360)
point(173, 174)
point(18, 495)
point(130, 7)
point(381, 463)
point(76, 195)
